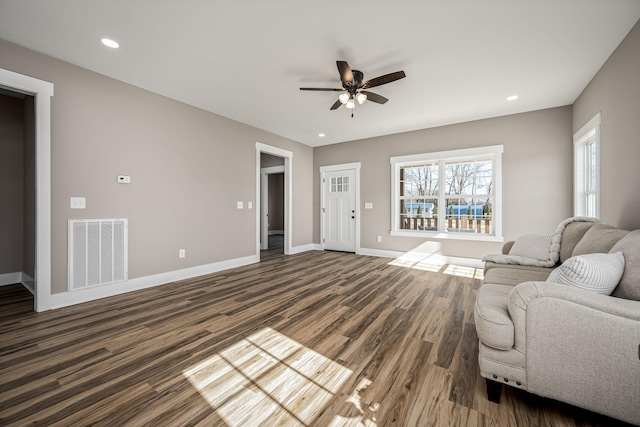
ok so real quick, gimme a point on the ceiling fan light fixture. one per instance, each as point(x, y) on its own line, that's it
point(361, 98)
point(351, 104)
point(344, 97)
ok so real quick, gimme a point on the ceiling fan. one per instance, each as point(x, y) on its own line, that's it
point(355, 89)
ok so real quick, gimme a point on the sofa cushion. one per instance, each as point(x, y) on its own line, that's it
point(571, 236)
point(513, 275)
point(629, 286)
point(599, 239)
point(491, 314)
point(535, 246)
point(599, 273)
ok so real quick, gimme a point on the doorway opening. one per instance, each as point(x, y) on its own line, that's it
point(17, 189)
point(272, 203)
point(37, 216)
point(273, 194)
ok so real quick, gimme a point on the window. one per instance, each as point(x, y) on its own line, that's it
point(339, 184)
point(586, 178)
point(452, 194)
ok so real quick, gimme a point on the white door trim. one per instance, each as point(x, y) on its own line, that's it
point(42, 91)
point(345, 166)
point(288, 179)
point(264, 202)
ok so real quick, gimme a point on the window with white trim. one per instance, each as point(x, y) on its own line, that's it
point(586, 169)
point(452, 194)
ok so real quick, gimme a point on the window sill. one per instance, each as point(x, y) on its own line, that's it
point(447, 236)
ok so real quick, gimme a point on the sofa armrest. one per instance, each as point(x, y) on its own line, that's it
point(506, 248)
point(581, 347)
point(526, 292)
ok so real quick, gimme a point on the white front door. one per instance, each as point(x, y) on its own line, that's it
point(339, 210)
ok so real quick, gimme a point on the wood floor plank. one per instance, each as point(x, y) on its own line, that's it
point(313, 339)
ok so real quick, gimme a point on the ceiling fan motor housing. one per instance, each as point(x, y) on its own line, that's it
point(358, 77)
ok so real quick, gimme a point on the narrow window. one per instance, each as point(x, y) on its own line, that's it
point(586, 179)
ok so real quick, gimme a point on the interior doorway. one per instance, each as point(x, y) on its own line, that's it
point(273, 165)
point(17, 189)
point(41, 91)
point(272, 230)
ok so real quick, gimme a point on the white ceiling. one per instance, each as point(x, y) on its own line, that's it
point(246, 59)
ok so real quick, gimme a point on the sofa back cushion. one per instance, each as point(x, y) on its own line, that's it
point(571, 236)
point(599, 239)
point(629, 286)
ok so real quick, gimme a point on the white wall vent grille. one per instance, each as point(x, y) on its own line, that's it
point(98, 252)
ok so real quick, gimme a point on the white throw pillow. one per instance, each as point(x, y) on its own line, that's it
point(599, 273)
point(535, 246)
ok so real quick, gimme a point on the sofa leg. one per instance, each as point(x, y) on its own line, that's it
point(494, 390)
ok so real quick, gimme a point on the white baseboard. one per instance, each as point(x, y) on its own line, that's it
point(79, 296)
point(299, 249)
point(380, 253)
point(18, 277)
point(272, 232)
point(28, 282)
point(10, 278)
point(437, 258)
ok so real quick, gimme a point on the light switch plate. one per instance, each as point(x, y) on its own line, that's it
point(368, 205)
point(124, 179)
point(240, 205)
point(78, 203)
point(249, 205)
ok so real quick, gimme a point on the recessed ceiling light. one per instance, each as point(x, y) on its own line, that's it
point(321, 135)
point(110, 43)
point(512, 98)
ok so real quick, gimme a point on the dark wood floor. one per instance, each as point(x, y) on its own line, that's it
point(314, 339)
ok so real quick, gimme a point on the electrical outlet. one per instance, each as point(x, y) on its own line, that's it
point(182, 253)
point(124, 179)
point(379, 239)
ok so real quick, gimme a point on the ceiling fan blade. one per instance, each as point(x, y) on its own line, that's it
point(374, 97)
point(346, 75)
point(322, 89)
point(336, 105)
point(383, 80)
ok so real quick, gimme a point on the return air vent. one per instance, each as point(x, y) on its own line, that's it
point(98, 252)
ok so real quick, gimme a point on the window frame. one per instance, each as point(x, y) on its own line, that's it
point(582, 139)
point(494, 152)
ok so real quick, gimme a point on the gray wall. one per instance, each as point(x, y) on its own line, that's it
point(267, 160)
point(11, 183)
point(537, 177)
point(182, 162)
point(615, 92)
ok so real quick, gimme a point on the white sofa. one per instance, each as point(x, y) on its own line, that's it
point(560, 341)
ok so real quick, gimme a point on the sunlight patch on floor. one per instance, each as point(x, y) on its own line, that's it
point(461, 271)
point(268, 378)
point(426, 257)
point(358, 414)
